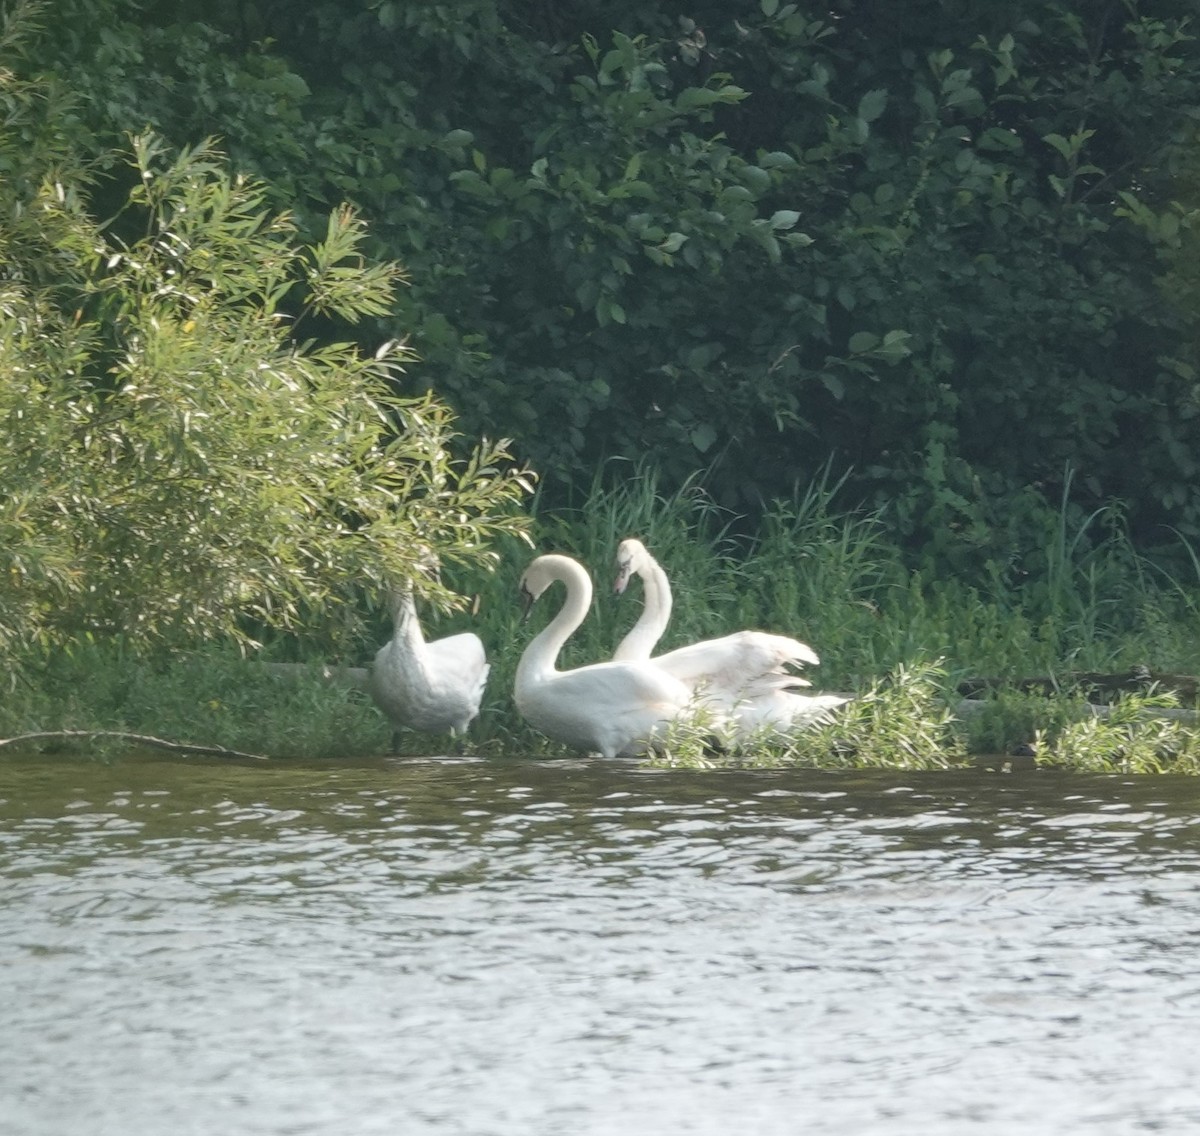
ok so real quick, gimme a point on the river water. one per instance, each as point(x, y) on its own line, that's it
point(540, 948)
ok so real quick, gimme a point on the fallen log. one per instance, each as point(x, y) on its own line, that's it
point(1093, 683)
point(968, 706)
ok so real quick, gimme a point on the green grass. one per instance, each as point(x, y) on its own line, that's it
point(899, 722)
point(900, 639)
point(211, 697)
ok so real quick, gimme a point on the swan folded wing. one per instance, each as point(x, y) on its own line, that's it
point(435, 690)
point(460, 657)
point(459, 670)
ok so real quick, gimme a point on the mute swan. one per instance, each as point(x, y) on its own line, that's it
point(616, 709)
point(431, 687)
point(743, 675)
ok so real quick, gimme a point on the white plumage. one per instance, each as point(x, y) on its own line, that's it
point(743, 675)
point(431, 687)
point(616, 709)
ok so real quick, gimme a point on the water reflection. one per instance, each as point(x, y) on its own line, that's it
point(518, 947)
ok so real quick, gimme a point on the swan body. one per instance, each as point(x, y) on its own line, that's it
point(431, 687)
point(616, 709)
point(744, 675)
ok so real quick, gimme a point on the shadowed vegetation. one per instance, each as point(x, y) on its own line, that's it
point(901, 640)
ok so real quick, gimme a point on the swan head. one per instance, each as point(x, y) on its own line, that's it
point(540, 574)
point(527, 598)
point(631, 556)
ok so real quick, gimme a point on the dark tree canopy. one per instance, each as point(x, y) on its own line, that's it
point(947, 245)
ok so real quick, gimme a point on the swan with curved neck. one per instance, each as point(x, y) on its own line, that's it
point(633, 559)
point(743, 675)
point(616, 709)
point(433, 687)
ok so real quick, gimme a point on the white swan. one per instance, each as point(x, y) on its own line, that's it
point(431, 687)
point(617, 709)
point(743, 675)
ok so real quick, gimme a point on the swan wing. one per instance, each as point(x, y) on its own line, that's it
point(768, 685)
point(459, 672)
point(725, 666)
point(781, 711)
point(460, 655)
point(432, 687)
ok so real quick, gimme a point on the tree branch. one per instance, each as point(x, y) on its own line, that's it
point(134, 739)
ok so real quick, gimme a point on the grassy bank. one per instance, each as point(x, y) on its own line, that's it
point(902, 640)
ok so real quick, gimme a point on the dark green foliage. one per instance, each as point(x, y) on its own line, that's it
point(814, 572)
point(949, 244)
point(1014, 719)
point(831, 579)
point(177, 461)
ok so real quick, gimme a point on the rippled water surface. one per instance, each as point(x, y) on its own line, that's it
point(494, 948)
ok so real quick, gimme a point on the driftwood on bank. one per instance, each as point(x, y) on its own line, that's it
point(133, 739)
point(1093, 684)
point(969, 706)
point(349, 677)
point(1097, 687)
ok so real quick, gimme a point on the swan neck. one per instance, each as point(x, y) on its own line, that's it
point(406, 625)
point(541, 656)
point(657, 585)
point(641, 638)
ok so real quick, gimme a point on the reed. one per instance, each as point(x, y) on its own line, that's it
point(1130, 739)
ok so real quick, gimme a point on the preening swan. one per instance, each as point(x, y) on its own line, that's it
point(616, 709)
point(431, 687)
point(743, 675)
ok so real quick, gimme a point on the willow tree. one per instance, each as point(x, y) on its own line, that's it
point(178, 461)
